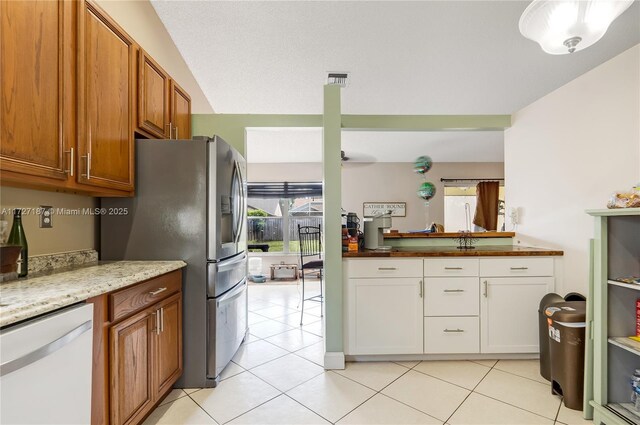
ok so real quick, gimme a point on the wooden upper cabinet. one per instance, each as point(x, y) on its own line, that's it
point(153, 97)
point(35, 120)
point(180, 112)
point(132, 368)
point(168, 362)
point(106, 84)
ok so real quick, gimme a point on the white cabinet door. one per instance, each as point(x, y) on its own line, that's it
point(385, 316)
point(509, 313)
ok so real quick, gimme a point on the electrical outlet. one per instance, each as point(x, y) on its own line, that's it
point(46, 217)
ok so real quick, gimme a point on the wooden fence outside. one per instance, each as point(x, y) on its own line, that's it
point(266, 229)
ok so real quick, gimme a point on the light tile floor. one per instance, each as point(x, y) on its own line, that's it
point(277, 378)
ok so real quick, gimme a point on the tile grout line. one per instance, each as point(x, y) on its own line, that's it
point(470, 392)
point(308, 408)
point(202, 408)
point(375, 392)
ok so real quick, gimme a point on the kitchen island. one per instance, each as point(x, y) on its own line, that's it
point(441, 302)
point(452, 251)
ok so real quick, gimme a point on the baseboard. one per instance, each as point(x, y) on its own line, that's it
point(334, 360)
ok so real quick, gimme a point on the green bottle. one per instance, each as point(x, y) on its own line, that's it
point(17, 237)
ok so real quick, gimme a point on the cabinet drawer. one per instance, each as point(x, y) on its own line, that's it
point(385, 268)
point(451, 296)
point(451, 267)
point(451, 335)
point(517, 266)
point(142, 295)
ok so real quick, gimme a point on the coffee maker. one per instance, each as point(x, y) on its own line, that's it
point(374, 231)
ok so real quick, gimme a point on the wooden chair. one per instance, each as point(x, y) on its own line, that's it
point(310, 259)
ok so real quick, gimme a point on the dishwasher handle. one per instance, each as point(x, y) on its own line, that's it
point(42, 352)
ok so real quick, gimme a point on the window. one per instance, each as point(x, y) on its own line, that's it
point(276, 209)
point(455, 215)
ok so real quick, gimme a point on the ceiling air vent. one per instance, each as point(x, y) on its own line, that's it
point(338, 78)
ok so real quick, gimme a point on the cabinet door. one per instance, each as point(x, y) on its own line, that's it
point(33, 119)
point(509, 313)
point(131, 368)
point(180, 112)
point(168, 352)
point(386, 316)
point(153, 97)
point(106, 84)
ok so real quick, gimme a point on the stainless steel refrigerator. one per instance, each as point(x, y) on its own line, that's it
point(190, 204)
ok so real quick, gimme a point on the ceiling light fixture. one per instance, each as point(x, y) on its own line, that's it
point(567, 26)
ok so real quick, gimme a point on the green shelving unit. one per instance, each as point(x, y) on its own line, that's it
point(611, 357)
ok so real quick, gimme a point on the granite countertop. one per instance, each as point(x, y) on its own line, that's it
point(452, 251)
point(41, 293)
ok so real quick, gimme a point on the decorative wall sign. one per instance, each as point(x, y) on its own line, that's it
point(372, 209)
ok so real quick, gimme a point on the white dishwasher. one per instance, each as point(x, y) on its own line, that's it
point(45, 369)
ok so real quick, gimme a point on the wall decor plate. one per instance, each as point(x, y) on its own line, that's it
point(372, 209)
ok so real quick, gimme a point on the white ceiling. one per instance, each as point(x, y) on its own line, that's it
point(305, 145)
point(415, 57)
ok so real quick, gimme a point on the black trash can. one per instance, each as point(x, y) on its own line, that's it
point(543, 333)
point(567, 324)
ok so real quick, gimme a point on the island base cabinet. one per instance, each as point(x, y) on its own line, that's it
point(509, 313)
point(387, 317)
point(451, 335)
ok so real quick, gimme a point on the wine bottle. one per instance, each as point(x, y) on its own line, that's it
point(17, 237)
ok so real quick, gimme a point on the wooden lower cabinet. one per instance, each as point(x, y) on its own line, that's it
point(131, 347)
point(168, 350)
point(144, 349)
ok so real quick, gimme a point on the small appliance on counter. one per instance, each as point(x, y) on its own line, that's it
point(374, 232)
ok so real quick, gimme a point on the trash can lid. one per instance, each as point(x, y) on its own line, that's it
point(570, 311)
point(549, 299)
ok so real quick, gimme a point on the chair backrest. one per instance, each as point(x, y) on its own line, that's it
point(310, 244)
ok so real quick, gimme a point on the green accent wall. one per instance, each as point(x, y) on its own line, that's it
point(232, 127)
point(426, 122)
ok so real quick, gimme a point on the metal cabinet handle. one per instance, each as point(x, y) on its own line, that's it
point(44, 351)
point(88, 158)
point(453, 290)
point(170, 125)
point(387, 268)
point(71, 161)
point(485, 292)
point(453, 330)
point(453, 268)
point(519, 268)
point(421, 288)
point(157, 329)
point(157, 291)
point(177, 133)
point(162, 319)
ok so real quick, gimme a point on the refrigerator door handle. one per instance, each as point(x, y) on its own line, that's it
point(233, 294)
point(243, 203)
point(237, 181)
point(230, 264)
